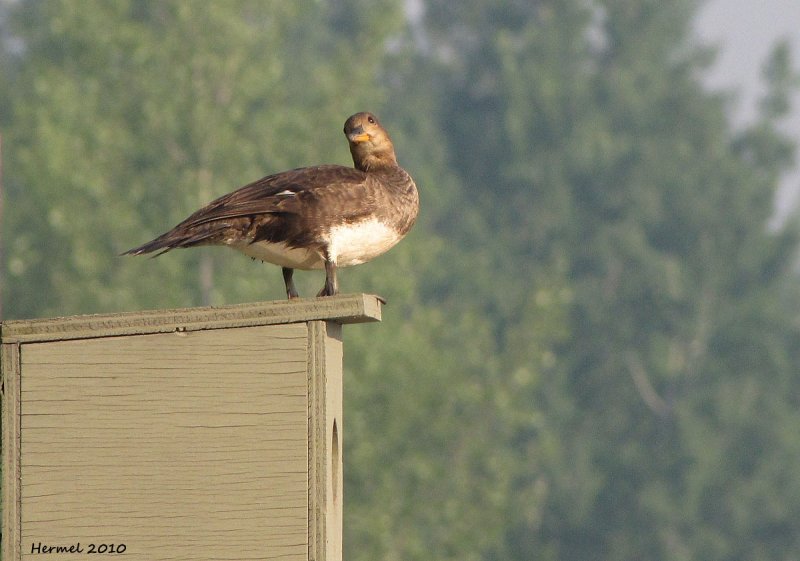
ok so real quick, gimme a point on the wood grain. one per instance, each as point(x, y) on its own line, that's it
point(183, 446)
point(325, 453)
point(9, 365)
point(342, 309)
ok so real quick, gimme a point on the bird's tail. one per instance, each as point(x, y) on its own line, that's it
point(178, 237)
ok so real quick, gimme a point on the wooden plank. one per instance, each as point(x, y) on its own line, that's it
point(342, 309)
point(325, 444)
point(10, 370)
point(187, 446)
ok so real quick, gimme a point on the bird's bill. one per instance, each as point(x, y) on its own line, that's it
point(359, 137)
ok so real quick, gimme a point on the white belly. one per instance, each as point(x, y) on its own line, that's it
point(353, 244)
point(281, 254)
point(348, 244)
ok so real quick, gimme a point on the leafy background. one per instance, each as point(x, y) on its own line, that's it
point(592, 344)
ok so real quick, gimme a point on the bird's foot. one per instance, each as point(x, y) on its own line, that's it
point(326, 291)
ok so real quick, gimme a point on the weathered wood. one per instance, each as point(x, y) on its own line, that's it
point(190, 446)
point(9, 367)
point(325, 444)
point(210, 433)
point(342, 309)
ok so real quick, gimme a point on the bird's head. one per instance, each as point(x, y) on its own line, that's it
point(370, 144)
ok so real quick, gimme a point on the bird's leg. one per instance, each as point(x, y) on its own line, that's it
point(331, 284)
point(291, 291)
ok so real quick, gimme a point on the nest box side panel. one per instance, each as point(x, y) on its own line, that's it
point(185, 445)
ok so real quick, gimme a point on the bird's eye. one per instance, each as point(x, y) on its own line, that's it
point(371, 119)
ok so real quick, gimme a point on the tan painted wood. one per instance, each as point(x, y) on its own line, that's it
point(342, 309)
point(325, 444)
point(185, 434)
point(191, 445)
point(9, 365)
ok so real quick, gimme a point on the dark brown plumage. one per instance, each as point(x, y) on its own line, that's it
point(317, 217)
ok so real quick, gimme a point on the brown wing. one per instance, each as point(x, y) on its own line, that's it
point(280, 207)
point(292, 192)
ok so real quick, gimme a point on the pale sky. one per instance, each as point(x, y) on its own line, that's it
point(745, 32)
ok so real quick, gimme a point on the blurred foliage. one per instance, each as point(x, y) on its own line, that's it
point(591, 346)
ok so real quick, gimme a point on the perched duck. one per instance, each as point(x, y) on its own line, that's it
point(325, 216)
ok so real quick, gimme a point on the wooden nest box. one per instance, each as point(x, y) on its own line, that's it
point(192, 434)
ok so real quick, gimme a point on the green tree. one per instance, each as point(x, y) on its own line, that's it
point(582, 134)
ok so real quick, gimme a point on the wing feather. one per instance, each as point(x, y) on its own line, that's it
point(269, 195)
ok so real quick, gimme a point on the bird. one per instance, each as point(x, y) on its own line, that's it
point(319, 217)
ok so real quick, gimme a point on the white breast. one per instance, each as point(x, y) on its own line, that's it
point(353, 244)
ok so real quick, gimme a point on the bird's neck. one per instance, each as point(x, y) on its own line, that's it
point(373, 158)
point(376, 162)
